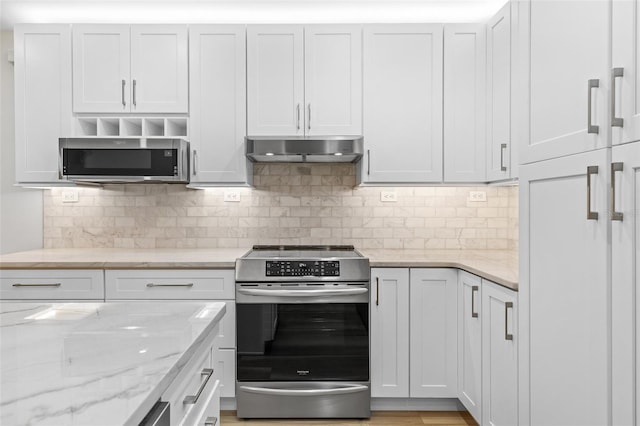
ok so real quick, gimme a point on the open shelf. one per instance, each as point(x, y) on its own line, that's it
point(153, 127)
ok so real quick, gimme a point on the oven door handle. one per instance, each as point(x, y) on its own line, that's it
point(302, 293)
point(305, 392)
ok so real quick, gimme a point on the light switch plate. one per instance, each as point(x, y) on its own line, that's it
point(388, 196)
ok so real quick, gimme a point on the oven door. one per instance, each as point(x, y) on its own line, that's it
point(307, 333)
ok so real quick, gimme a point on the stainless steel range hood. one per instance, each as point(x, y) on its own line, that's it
point(310, 149)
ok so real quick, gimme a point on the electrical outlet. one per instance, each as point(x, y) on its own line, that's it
point(388, 196)
point(232, 196)
point(477, 196)
point(70, 196)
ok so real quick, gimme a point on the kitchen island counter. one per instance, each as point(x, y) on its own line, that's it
point(96, 363)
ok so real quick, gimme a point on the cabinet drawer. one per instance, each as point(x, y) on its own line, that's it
point(197, 374)
point(52, 284)
point(169, 284)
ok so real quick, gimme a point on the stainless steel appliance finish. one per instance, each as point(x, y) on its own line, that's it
point(124, 160)
point(159, 415)
point(310, 149)
point(302, 333)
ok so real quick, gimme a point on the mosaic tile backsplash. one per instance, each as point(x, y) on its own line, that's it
point(289, 204)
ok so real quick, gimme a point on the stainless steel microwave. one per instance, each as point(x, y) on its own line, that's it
point(126, 160)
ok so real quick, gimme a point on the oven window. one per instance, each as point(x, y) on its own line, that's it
point(303, 342)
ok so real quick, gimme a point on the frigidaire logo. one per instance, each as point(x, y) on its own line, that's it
point(303, 372)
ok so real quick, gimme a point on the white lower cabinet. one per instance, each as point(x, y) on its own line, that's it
point(413, 329)
point(470, 343)
point(52, 284)
point(499, 355)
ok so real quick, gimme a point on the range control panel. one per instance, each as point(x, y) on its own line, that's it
point(302, 268)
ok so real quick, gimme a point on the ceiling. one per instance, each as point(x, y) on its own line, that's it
point(244, 11)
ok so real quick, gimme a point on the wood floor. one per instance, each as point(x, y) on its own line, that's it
point(378, 418)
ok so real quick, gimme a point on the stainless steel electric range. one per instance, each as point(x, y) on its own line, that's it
point(302, 333)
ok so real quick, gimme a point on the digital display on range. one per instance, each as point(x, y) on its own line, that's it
point(302, 268)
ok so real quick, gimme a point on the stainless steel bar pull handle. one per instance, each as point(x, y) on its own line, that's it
point(591, 170)
point(368, 162)
point(211, 421)
point(474, 289)
point(169, 285)
point(377, 291)
point(124, 103)
point(507, 306)
point(615, 121)
point(591, 128)
point(134, 92)
point(309, 118)
point(192, 399)
point(503, 148)
point(37, 285)
point(340, 390)
point(298, 117)
point(195, 162)
point(615, 167)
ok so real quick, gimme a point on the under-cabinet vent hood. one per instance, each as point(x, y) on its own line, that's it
point(310, 149)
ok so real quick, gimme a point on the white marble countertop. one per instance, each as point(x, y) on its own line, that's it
point(499, 266)
point(95, 363)
point(115, 258)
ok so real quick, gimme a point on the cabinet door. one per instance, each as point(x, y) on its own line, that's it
point(433, 341)
point(566, 113)
point(499, 355)
point(389, 332)
point(625, 284)
point(275, 80)
point(42, 99)
point(464, 103)
point(402, 103)
point(333, 79)
point(625, 52)
point(225, 368)
point(159, 68)
point(218, 103)
point(499, 95)
point(564, 292)
point(470, 343)
point(101, 81)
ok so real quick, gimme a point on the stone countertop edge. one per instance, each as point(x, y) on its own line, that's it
point(205, 337)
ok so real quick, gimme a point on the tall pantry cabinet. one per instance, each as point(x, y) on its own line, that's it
point(624, 212)
point(579, 189)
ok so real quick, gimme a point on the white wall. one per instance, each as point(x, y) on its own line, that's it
point(21, 225)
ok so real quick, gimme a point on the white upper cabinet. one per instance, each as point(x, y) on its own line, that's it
point(304, 80)
point(464, 103)
point(42, 99)
point(625, 75)
point(402, 103)
point(333, 79)
point(122, 68)
point(499, 47)
point(565, 46)
point(275, 80)
point(218, 108)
